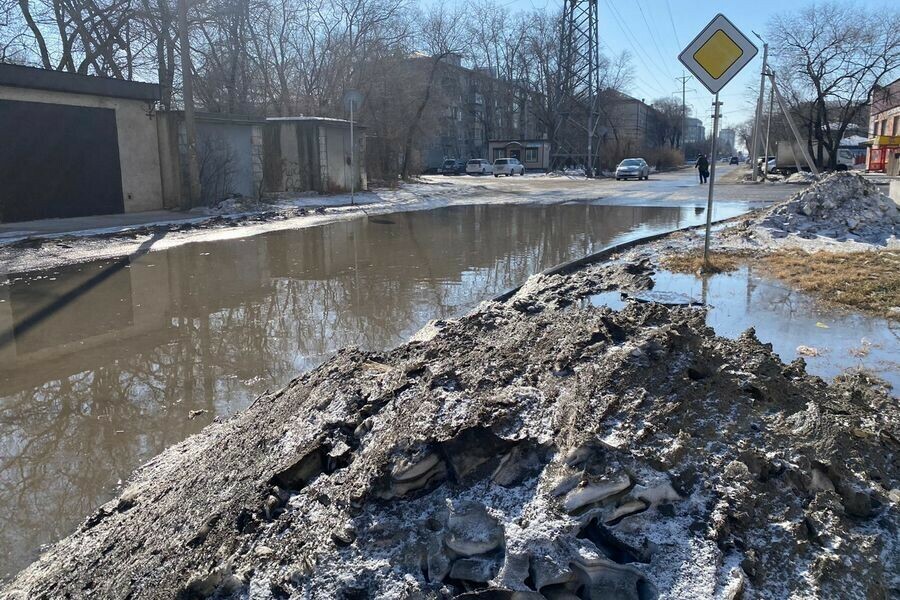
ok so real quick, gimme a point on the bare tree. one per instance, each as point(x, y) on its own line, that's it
point(829, 58)
point(441, 35)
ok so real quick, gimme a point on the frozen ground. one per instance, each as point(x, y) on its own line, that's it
point(29, 250)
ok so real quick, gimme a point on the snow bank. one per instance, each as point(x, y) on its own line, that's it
point(844, 206)
point(531, 450)
point(802, 177)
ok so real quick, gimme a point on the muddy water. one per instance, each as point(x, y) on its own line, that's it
point(830, 340)
point(103, 365)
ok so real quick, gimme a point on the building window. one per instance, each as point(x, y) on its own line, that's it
point(531, 155)
point(877, 129)
point(479, 99)
point(499, 153)
point(896, 130)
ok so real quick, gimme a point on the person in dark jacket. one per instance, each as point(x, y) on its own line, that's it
point(703, 168)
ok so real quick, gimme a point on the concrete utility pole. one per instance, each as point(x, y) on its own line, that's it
point(796, 132)
point(683, 79)
point(712, 180)
point(769, 128)
point(759, 107)
point(190, 128)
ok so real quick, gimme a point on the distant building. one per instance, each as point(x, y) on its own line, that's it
point(628, 121)
point(884, 129)
point(726, 140)
point(473, 106)
point(534, 154)
point(694, 132)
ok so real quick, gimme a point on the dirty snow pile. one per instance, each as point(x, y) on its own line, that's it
point(531, 450)
point(843, 206)
point(802, 177)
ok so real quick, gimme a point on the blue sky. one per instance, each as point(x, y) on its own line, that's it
point(655, 32)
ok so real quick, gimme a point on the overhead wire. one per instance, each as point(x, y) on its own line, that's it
point(652, 35)
point(672, 21)
point(619, 23)
point(633, 40)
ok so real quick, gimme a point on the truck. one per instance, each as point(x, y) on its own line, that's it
point(788, 156)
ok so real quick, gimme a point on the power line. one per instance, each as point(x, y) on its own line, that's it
point(618, 21)
point(652, 36)
point(635, 42)
point(672, 21)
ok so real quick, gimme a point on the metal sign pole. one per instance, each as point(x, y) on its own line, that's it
point(712, 182)
point(352, 162)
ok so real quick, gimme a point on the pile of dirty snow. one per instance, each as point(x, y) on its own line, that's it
point(531, 450)
point(843, 206)
point(802, 177)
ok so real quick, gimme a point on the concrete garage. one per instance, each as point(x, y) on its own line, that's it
point(229, 156)
point(76, 145)
point(312, 153)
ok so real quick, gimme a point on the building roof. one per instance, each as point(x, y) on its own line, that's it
point(520, 141)
point(73, 83)
point(325, 120)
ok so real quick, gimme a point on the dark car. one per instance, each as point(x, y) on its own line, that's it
point(452, 166)
point(734, 160)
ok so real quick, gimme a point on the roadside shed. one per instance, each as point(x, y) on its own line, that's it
point(534, 154)
point(312, 153)
point(76, 145)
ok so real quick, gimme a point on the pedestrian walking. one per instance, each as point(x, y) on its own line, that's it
point(703, 168)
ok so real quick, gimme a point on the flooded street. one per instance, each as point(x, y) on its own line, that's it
point(105, 364)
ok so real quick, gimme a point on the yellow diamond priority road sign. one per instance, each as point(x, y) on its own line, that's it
point(718, 53)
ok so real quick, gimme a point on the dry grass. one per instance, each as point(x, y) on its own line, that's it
point(692, 262)
point(866, 281)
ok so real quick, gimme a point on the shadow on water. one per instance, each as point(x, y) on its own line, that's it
point(107, 362)
point(23, 326)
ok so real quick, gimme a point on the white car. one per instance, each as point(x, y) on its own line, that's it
point(479, 166)
point(508, 166)
point(633, 167)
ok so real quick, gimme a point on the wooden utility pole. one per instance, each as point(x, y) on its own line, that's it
point(187, 90)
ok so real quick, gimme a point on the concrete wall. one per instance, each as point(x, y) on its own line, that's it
point(894, 191)
point(225, 157)
point(334, 147)
point(229, 156)
point(304, 155)
point(138, 147)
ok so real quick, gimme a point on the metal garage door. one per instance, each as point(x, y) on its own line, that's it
point(58, 161)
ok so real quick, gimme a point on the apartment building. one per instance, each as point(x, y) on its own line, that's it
point(473, 107)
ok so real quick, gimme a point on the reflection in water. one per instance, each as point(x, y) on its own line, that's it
point(90, 391)
point(786, 318)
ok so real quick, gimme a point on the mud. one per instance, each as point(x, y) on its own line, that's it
point(532, 449)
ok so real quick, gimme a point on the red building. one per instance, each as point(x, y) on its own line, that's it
point(884, 130)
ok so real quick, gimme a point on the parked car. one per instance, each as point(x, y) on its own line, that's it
point(508, 166)
point(452, 166)
point(479, 166)
point(633, 167)
point(734, 160)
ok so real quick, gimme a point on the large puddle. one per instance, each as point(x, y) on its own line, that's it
point(830, 340)
point(103, 365)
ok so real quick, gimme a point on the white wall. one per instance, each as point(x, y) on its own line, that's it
point(138, 142)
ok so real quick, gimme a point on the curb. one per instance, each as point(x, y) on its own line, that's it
point(577, 263)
